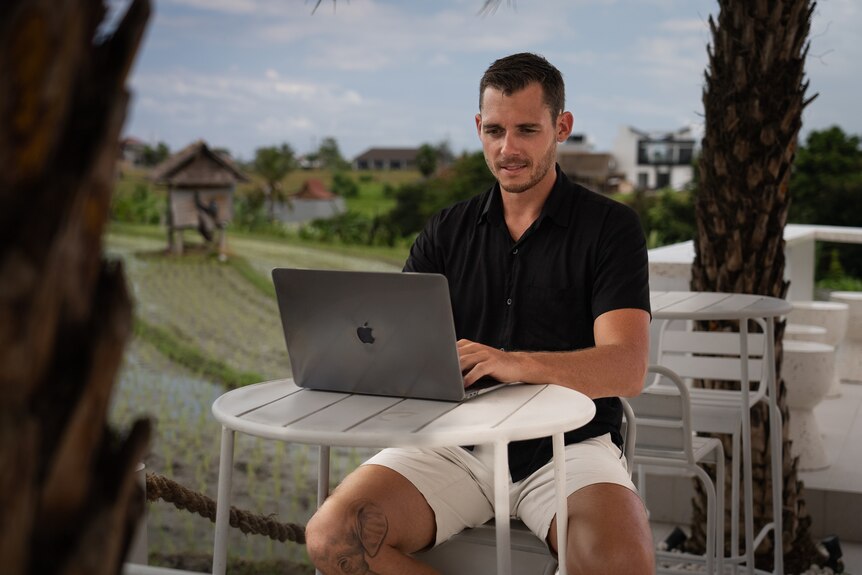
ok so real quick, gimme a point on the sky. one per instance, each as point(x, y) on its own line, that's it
point(243, 74)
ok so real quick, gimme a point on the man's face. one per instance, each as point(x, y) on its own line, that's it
point(519, 138)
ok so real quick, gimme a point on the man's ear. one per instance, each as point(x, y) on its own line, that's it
point(479, 124)
point(565, 121)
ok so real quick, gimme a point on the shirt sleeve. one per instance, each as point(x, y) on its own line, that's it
point(621, 267)
point(423, 253)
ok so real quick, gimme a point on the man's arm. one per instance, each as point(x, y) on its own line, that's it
point(616, 366)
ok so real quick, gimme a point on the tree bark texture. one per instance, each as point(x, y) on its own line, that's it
point(68, 496)
point(753, 99)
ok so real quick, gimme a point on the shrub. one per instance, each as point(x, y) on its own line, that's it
point(140, 206)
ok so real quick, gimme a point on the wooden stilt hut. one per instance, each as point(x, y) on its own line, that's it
point(201, 183)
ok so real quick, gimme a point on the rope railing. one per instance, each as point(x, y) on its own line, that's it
point(160, 487)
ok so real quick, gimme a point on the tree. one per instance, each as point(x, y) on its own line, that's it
point(426, 160)
point(827, 189)
point(416, 202)
point(69, 500)
point(152, 156)
point(753, 101)
point(272, 164)
point(330, 156)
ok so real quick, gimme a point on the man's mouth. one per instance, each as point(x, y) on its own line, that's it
point(512, 167)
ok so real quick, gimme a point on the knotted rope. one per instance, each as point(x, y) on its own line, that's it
point(159, 487)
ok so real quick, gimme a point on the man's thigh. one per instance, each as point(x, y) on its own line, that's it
point(596, 461)
point(451, 482)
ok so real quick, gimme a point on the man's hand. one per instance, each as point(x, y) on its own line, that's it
point(478, 361)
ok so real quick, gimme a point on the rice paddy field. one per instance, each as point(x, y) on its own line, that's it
point(203, 326)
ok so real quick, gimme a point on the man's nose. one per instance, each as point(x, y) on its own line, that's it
point(510, 144)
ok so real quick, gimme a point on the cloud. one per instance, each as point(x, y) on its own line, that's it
point(223, 6)
point(685, 25)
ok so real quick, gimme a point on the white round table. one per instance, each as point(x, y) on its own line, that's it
point(282, 411)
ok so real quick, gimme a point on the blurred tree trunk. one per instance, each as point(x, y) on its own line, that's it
point(68, 496)
point(753, 101)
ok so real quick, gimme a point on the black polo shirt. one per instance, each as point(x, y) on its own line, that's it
point(585, 255)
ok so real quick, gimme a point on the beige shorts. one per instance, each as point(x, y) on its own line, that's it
point(459, 484)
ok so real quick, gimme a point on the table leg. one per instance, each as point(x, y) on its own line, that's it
point(322, 480)
point(322, 475)
point(222, 523)
point(776, 438)
point(747, 480)
point(562, 503)
point(501, 508)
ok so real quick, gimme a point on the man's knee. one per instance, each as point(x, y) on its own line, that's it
point(342, 536)
point(624, 556)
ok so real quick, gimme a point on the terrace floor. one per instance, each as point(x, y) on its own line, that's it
point(834, 494)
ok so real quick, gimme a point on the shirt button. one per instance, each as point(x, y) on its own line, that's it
point(515, 251)
point(509, 301)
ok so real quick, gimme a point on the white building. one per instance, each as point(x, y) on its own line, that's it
point(655, 160)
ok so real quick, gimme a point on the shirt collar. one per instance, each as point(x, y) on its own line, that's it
point(557, 205)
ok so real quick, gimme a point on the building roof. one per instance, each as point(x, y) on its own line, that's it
point(197, 165)
point(313, 189)
point(404, 154)
point(684, 133)
point(586, 165)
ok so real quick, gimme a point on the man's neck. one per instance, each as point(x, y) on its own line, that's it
point(522, 209)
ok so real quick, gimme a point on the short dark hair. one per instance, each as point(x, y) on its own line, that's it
point(516, 72)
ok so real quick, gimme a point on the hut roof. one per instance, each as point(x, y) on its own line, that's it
point(197, 165)
point(313, 189)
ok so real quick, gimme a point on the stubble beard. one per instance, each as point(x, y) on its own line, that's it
point(546, 162)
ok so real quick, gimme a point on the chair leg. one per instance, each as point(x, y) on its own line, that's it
point(734, 505)
point(710, 516)
point(719, 504)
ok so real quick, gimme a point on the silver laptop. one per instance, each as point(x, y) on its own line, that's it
point(372, 332)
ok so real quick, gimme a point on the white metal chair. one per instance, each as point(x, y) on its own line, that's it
point(666, 444)
point(473, 551)
point(737, 358)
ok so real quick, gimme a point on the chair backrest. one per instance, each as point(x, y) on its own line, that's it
point(713, 355)
point(663, 417)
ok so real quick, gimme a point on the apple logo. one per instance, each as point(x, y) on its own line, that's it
point(364, 333)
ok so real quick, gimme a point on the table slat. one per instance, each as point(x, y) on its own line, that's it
point(247, 398)
point(344, 415)
point(696, 303)
point(485, 411)
point(408, 416)
point(293, 408)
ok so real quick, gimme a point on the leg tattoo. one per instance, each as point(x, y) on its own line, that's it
point(361, 538)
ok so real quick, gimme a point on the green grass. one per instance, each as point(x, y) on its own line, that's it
point(251, 275)
point(188, 356)
point(371, 200)
point(394, 256)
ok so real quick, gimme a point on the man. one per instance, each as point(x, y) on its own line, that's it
point(549, 285)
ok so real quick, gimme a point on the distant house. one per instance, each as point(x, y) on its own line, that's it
point(594, 170)
point(386, 159)
point(132, 150)
point(655, 160)
point(201, 183)
point(313, 201)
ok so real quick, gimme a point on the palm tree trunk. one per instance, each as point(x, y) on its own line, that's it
point(68, 496)
point(753, 101)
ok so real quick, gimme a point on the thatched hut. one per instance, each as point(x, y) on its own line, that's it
point(201, 183)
